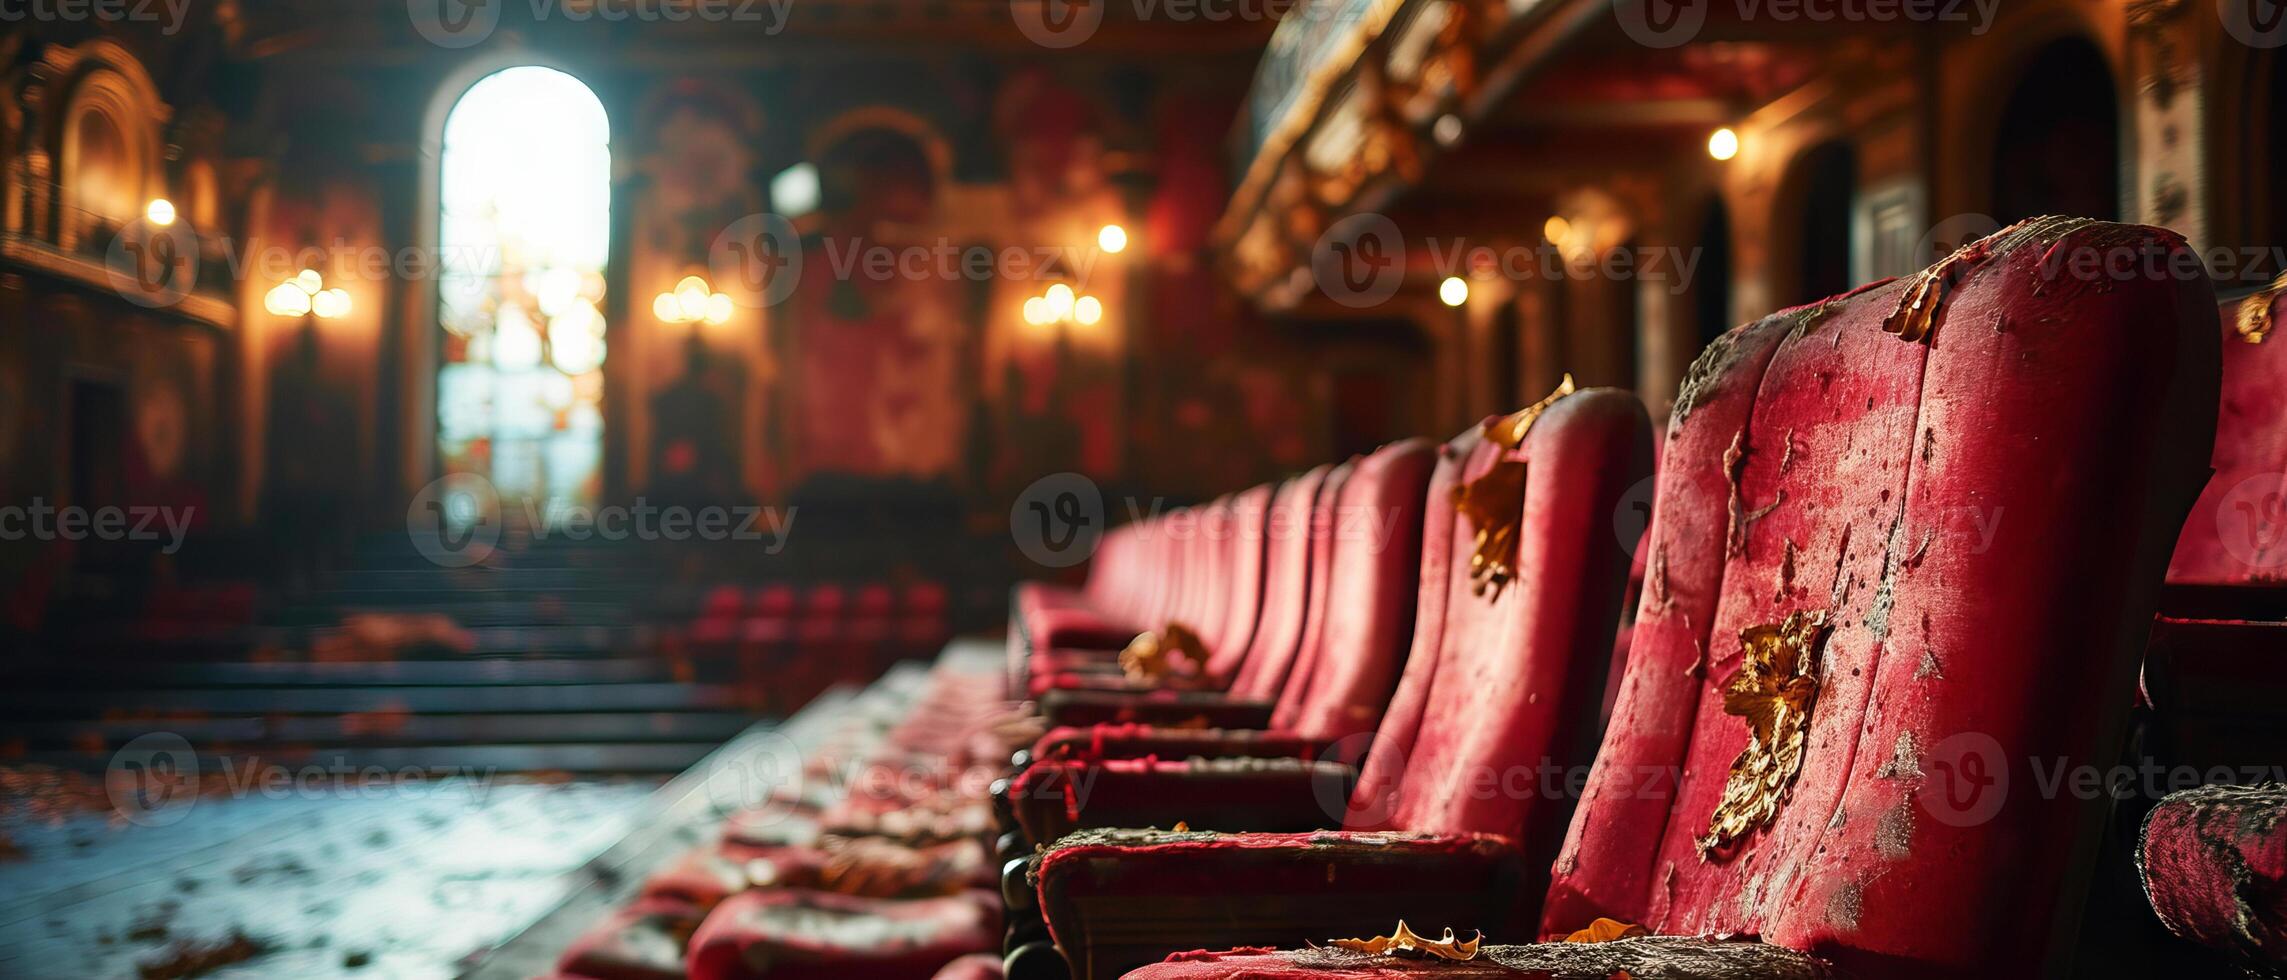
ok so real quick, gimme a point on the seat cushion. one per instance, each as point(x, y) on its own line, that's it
point(1962, 488)
point(643, 941)
point(1644, 958)
point(805, 935)
point(2214, 864)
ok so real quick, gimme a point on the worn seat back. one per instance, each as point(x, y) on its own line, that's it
point(1505, 679)
point(1366, 541)
point(1917, 533)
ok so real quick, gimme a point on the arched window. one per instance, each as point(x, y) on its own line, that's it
point(524, 230)
point(2058, 147)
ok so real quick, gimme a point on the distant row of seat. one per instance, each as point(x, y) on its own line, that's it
point(1905, 551)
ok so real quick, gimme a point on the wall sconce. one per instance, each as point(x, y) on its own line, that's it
point(692, 301)
point(1062, 305)
point(306, 295)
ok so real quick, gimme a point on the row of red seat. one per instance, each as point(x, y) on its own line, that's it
point(1905, 550)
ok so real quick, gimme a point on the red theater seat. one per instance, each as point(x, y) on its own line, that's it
point(643, 941)
point(2214, 862)
point(1369, 532)
point(807, 935)
point(1501, 684)
point(1820, 493)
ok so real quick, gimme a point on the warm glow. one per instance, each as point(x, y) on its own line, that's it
point(286, 299)
point(1556, 228)
point(1112, 238)
point(1453, 291)
point(1036, 311)
point(160, 211)
point(1088, 310)
point(1060, 299)
point(309, 281)
point(691, 298)
point(330, 303)
point(1723, 144)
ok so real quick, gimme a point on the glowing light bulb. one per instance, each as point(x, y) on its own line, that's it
point(309, 281)
point(330, 303)
point(160, 212)
point(286, 299)
point(1088, 310)
point(1453, 291)
point(1112, 238)
point(665, 308)
point(1723, 144)
point(691, 297)
point(1556, 228)
point(1036, 311)
point(1060, 299)
point(718, 309)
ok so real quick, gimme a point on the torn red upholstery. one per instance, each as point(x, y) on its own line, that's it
point(2214, 864)
point(807, 935)
point(1981, 505)
point(1500, 693)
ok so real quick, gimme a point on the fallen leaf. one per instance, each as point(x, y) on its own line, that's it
point(2255, 311)
point(1171, 656)
point(1406, 942)
point(1494, 502)
point(1606, 930)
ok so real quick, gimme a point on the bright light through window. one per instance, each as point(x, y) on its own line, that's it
point(525, 231)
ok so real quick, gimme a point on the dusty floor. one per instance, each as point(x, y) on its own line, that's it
point(395, 883)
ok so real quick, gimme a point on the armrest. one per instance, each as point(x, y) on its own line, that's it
point(1054, 798)
point(1116, 900)
point(1179, 709)
point(2214, 864)
point(1097, 743)
point(1643, 956)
